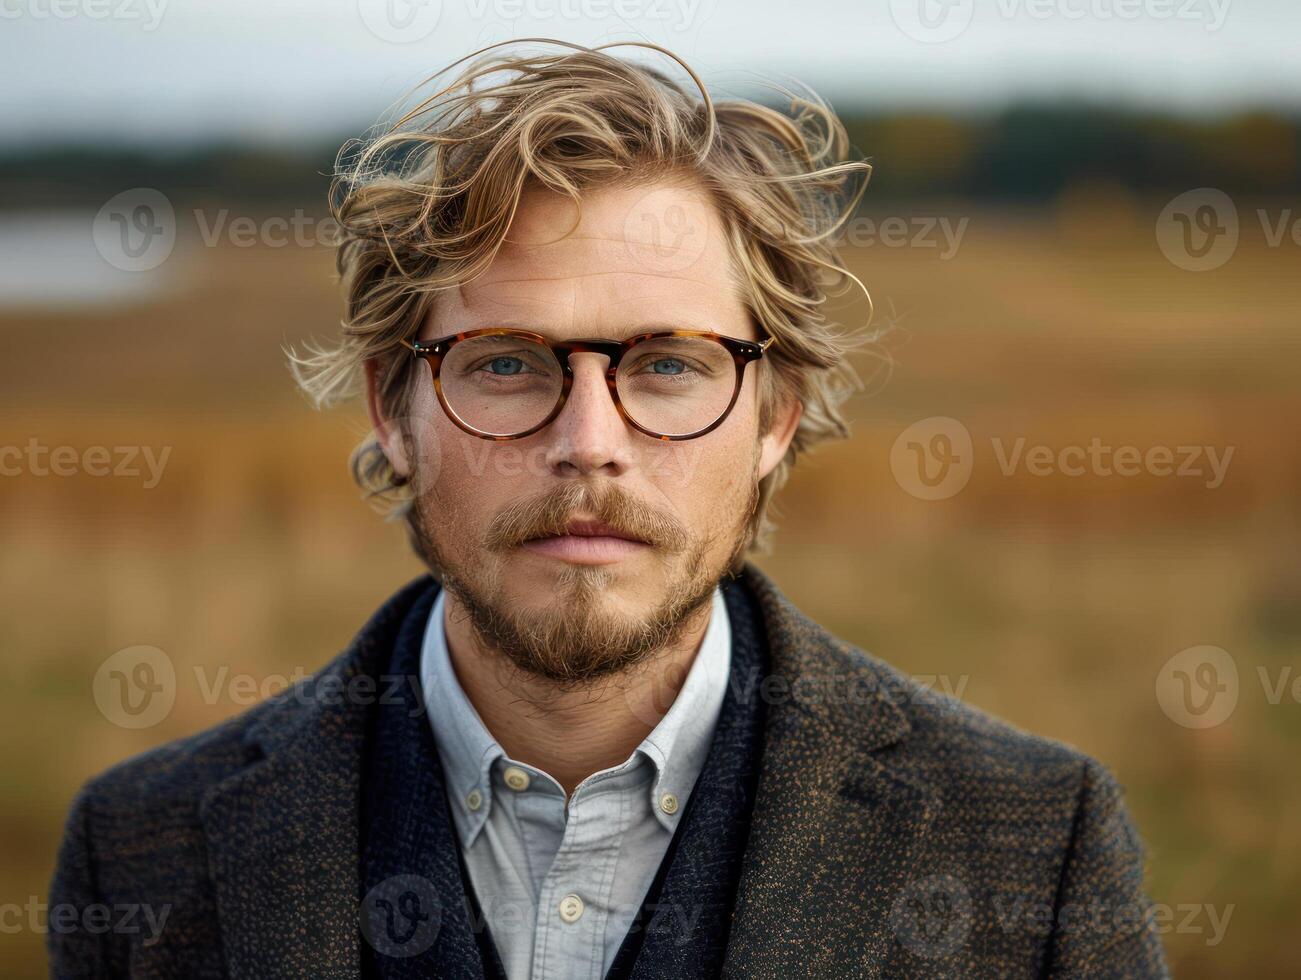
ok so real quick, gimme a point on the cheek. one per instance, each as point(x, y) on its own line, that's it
point(426, 439)
point(429, 443)
point(702, 478)
point(470, 480)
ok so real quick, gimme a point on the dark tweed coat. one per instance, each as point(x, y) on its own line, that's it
point(896, 832)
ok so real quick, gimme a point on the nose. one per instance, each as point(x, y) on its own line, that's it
point(589, 436)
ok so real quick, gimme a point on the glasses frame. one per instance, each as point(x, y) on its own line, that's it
point(433, 352)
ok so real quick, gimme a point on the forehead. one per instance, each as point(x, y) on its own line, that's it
point(625, 259)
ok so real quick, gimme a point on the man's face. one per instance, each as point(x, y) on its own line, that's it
point(582, 548)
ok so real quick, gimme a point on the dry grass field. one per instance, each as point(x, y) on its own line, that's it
point(1052, 600)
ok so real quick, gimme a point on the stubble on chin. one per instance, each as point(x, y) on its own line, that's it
point(570, 636)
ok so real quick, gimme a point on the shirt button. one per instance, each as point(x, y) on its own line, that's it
point(516, 778)
point(474, 799)
point(571, 907)
point(669, 803)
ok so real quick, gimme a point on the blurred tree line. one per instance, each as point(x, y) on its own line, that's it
point(1027, 153)
point(1032, 153)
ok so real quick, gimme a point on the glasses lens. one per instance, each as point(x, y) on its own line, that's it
point(501, 385)
point(676, 385)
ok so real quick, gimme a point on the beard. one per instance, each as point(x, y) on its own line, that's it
point(574, 640)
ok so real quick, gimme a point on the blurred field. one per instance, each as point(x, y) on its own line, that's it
point(1054, 600)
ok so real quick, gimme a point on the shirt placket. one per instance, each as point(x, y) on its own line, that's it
point(574, 902)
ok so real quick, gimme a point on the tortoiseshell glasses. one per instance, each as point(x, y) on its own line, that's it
point(500, 383)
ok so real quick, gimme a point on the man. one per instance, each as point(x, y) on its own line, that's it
point(587, 306)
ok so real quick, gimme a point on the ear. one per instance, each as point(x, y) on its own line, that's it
point(773, 445)
point(387, 431)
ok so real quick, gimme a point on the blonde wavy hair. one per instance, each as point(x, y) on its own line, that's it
point(423, 205)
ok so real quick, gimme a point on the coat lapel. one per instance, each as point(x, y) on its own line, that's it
point(417, 915)
point(282, 833)
point(835, 827)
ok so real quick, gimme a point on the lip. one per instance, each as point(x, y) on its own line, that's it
point(587, 543)
point(585, 549)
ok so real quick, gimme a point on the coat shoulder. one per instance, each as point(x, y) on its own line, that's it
point(938, 734)
point(1003, 790)
point(960, 744)
point(177, 772)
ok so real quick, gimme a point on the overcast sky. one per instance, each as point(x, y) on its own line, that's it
point(281, 69)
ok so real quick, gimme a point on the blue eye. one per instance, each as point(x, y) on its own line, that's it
point(668, 365)
point(505, 365)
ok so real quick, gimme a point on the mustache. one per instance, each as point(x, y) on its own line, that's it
point(548, 513)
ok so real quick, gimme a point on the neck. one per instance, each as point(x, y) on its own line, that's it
point(569, 732)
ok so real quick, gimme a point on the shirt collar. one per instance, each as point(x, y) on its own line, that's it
point(679, 743)
point(466, 748)
point(677, 746)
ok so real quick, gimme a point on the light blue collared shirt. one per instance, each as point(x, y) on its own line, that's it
point(560, 884)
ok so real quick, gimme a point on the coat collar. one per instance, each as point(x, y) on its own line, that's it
point(834, 822)
point(283, 832)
